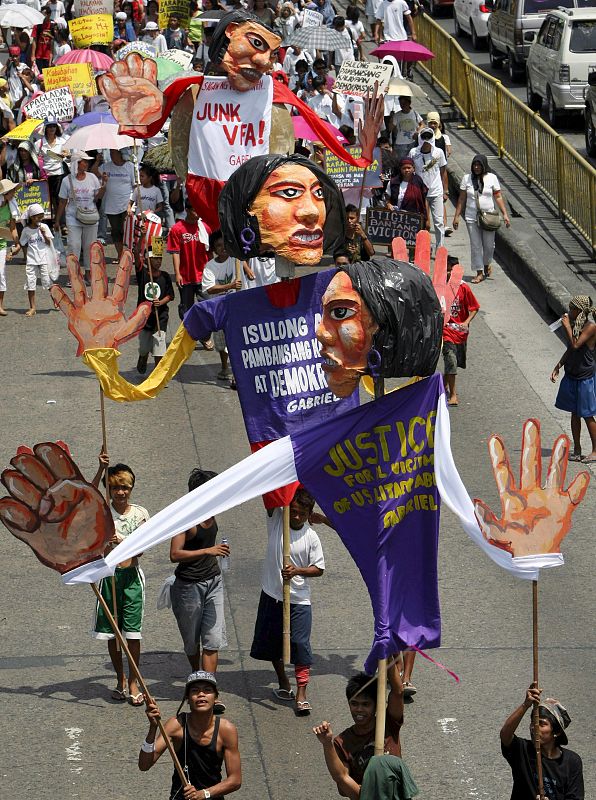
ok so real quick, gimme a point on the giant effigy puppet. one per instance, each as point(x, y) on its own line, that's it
point(221, 120)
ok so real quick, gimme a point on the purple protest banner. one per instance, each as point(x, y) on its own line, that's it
point(372, 473)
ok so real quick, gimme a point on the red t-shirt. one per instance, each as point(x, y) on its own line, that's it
point(463, 304)
point(183, 238)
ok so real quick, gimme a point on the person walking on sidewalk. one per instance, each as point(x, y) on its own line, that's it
point(577, 392)
point(455, 333)
point(431, 165)
point(479, 190)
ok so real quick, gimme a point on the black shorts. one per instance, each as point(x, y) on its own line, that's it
point(267, 644)
point(117, 226)
point(454, 356)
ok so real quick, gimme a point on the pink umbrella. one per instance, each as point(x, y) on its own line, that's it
point(99, 61)
point(404, 51)
point(302, 130)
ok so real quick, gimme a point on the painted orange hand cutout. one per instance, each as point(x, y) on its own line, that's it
point(368, 132)
point(99, 321)
point(130, 87)
point(534, 519)
point(52, 508)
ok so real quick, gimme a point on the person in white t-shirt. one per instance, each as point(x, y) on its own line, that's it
point(154, 37)
point(57, 9)
point(36, 241)
point(293, 55)
point(219, 277)
point(259, 271)
point(431, 165)
point(306, 561)
point(356, 29)
point(405, 123)
point(121, 183)
point(396, 18)
point(346, 51)
point(321, 102)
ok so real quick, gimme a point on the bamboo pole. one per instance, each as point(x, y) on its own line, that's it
point(137, 673)
point(287, 585)
point(379, 384)
point(104, 447)
point(535, 711)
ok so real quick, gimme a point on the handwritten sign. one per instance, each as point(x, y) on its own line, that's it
point(84, 8)
point(94, 29)
point(311, 19)
point(358, 78)
point(177, 7)
point(180, 57)
point(143, 48)
point(382, 226)
point(349, 177)
point(78, 77)
point(57, 104)
point(24, 130)
point(36, 192)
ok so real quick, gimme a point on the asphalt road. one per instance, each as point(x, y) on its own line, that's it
point(64, 737)
point(571, 125)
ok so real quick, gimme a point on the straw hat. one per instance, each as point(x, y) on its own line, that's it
point(7, 186)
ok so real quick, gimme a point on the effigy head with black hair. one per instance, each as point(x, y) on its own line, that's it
point(381, 318)
point(281, 205)
point(243, 46)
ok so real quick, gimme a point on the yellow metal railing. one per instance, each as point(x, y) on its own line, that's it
point(519, 134)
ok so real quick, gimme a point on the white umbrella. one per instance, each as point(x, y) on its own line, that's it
point(101, 136)
point(19, 15)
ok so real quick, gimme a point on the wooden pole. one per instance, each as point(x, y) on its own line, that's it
point(137, 673)
point(379, 384)
point(104, 447)
point(287, 585)
point(535, 711)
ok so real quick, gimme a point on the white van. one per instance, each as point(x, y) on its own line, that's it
point(560, 58)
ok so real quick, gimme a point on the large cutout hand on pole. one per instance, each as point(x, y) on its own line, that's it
point(534, 518)
point(100, 320)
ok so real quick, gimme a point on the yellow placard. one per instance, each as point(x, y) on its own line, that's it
point(79, 77)
point(169, 7)
point(157, 244)
point(24, 130)
point(93, 29)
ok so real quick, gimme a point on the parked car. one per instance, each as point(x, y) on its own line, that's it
point(590, 114)
point(471, 16)
point(435, 7)
point(508, 24)
point(560, 58)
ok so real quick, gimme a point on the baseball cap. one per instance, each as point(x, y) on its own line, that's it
point(557, 714)
point(200, 676)
point(13, 50)
point(426, 134)
point(151, 26)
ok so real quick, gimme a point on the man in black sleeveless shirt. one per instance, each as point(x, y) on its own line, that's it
point(202, 743)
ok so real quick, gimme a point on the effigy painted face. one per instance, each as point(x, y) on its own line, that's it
point(345, 332)
point(290, 209)
point(248, 56)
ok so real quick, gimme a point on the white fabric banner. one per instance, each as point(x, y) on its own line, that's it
point(228, 127)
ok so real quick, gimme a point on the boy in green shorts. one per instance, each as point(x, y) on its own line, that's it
point(129, 582)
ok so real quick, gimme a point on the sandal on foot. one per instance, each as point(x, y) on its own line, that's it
point(136, 699)
point(588, 460)
point(119, 694)
point(284, 694)
point(488, 271)
point(576, 457)
point(409, 689)
point(478, 279)
point(31, 313)
point(303, 708)
point(208, 345)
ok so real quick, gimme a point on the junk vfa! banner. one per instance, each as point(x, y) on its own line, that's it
point(177, 7)
point(228, 127)
point(358, 78)
point(57, 104)
point(274, 355)
point(94, 29)
point(84, 8)
point(77, 77)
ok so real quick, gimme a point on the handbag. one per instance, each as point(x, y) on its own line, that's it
point(86, 216)
point(487, 220)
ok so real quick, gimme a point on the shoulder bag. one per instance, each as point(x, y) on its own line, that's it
point(487, 220)
point(86, 216)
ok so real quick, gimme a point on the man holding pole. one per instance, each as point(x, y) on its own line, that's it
point(562, 771)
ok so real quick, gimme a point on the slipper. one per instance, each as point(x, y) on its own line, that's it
point(478, 279)
point(284, 694)
point(452, 404)
point(576, 457)
point(303, 708)
point(208, 345)
point(587, 460)
point(136, 699)
point(31, 313)
point(119, 694)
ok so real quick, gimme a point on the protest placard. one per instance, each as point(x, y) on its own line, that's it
point(311, 19)
point(93, 29)
point(57, 104)
point(83, 8)
point(35, 192)
point(382, 225)
point(349, 177)
point(78, 77)
point(358, 78)
point(180, 57)
point(169, 7)
point(24, 130)
point(144, 48)
point(157, 246)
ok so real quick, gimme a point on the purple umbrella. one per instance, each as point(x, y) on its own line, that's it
point(91, 118)
point(405, 50)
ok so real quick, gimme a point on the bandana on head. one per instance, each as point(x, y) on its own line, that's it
point(583, 303)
